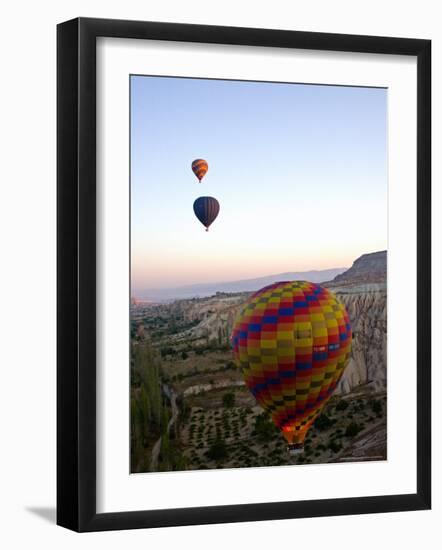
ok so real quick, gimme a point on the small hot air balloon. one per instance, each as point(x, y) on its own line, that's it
point(200, 167)
point(206, 210)
point(292, 341)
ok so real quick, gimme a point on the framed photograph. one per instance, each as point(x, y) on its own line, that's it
point(243, 274)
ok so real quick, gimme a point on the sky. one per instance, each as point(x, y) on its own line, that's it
point(300, 172)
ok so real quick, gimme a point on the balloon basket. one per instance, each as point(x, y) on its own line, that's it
point(295, 449)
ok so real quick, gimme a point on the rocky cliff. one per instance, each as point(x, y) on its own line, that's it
point(367, 269)
point(363, 290)
point(368, 363)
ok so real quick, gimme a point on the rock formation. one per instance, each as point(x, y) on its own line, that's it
point(367, 269)
point(363, 290)
point(368, 316)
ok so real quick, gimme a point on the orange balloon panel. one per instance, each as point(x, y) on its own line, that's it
point(199, 168)
point(292, 341)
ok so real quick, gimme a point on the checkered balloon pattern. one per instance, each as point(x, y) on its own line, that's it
point(292, 341)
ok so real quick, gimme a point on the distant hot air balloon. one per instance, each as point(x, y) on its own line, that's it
point(206, 210)
point(200, 167)
point(292, 341)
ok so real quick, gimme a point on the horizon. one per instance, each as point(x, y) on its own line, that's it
point(313, 156)
point(260, 276)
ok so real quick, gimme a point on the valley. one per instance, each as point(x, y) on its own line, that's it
point(216, 420)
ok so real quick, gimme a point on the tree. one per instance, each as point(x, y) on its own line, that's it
point(229, 400)
point(264, 428)
point(376, 406)
point(342, 405)
point(353, 429)
point(323, 422)
point(218, 450)
point(334, 446)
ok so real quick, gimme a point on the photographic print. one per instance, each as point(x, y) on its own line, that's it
point(258, 312)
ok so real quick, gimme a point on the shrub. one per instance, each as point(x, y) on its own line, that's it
point(353, 429)
point(229, 399)
point(323, 422)
point(264, 428)
point(342, 405)
point(334, 446)
point(376, 406)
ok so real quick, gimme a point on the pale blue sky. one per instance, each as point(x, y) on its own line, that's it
point(300, 172)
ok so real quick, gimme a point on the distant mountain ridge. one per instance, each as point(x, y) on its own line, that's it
point(245, 285)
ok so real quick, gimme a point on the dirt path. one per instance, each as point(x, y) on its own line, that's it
point(175, 412)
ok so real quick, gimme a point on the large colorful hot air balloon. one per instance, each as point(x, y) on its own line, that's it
point(292, 341)
point(206, 210)
point(200, 167)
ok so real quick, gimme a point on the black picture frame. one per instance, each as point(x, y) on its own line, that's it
point(77, 287)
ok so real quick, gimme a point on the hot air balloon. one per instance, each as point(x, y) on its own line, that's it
point(200, 167)
point(206, 210)
point(292, 342)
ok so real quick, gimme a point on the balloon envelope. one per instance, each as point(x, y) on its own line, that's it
point(206, 210)
point(200, 167)
point(292, 341)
